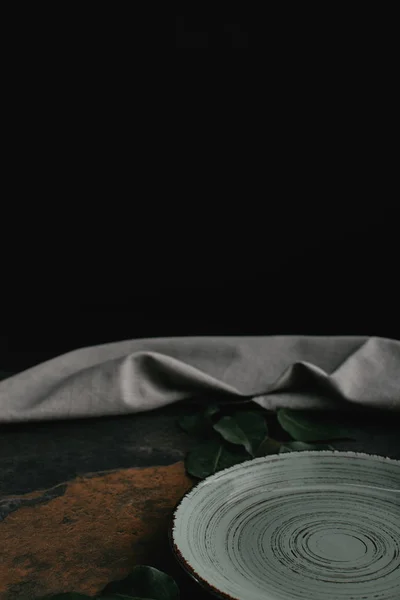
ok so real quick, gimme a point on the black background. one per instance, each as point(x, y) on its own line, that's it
point(225, 31)
point(313, 278)
point(218, 200)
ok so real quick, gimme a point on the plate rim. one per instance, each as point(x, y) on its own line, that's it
point(176, 552)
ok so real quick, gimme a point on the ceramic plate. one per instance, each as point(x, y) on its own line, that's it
point(300, 526)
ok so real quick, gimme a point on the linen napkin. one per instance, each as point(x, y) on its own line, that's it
point(299, 372)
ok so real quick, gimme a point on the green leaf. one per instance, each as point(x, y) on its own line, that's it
point(197, 425)
point(231, 432)
point(247, 429)
point(144, 582)
point(213, 456)
point(308, 427)
point(301, 447)
point(212, 410)
point(200, 424)
point(268, 446)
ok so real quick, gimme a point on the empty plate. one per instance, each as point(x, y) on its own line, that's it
point(299, 526)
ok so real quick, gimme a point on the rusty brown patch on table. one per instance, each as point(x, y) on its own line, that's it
point(95, 532)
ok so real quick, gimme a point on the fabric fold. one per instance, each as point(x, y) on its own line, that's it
point(131, 376)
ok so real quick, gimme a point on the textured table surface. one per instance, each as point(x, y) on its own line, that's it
point(82, 502)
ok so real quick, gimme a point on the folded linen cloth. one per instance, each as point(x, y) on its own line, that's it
point(299, 372)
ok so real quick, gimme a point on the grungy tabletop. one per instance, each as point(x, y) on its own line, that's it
point(82, 502)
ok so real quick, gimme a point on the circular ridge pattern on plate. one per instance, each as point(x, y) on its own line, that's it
point(319, 525)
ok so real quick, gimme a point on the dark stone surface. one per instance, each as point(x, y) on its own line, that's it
point(35, 456)
point(9, 505)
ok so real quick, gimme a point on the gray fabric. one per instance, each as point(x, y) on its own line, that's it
point(137, 375)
